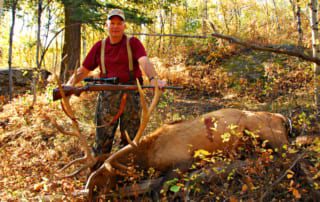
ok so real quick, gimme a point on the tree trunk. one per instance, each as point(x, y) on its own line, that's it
point(299, 27)
point(84, 42)
point(224, 14)
point(276, 14)
point(267, 12)
point(13, 7)
point(315, 46)
point(161, 41)
point(35, 75)
point(72, 44)
point(204, 18)
point(293, 6)
point(1, 8)
point(170, 29)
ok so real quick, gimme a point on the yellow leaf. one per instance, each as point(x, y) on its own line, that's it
point(296, 193)
point(38, 186)
point(201, 153)
point(232, 126)
point(244, 188)
point(289, 175)
point(225, 137)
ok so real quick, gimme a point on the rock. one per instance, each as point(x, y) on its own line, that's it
point(22, 80)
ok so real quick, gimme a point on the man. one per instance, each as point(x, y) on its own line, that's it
point(112, 55)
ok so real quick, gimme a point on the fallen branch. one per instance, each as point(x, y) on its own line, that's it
point(267, 48)
point(281, 177)
point(11, 137)
point(128, 191)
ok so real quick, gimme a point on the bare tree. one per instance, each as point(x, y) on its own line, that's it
point(313, 5)
point(14, 4)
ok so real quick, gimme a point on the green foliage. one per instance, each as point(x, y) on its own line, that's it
point(166, 100)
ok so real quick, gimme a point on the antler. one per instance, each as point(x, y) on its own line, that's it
point(110, 163)
point(88, 159)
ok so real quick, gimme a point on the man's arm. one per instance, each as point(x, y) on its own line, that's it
point(148, 68)
point(81, 73)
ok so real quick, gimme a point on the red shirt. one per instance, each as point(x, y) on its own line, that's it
point(116, 58)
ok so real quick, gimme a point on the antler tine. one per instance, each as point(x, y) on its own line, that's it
point(59, 128)
point(155, 100)
point(77, 171)
point(82, 159)
point(88, 158)
point(144, 120)
point(129, 140)
point(145, 111)
point(110, 164)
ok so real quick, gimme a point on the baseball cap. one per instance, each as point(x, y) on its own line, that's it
point(116, 12)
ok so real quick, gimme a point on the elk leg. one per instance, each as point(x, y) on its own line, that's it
point(170, 174)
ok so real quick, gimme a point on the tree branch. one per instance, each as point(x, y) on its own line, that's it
point(267, 48)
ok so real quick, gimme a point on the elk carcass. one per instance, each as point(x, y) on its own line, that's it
point(173, 145)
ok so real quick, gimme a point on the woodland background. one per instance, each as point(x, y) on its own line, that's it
point(246, 71)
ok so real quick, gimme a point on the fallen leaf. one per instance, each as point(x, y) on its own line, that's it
point(296, 193)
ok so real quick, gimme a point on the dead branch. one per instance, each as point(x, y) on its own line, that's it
point(281, 177)
point(280, 50)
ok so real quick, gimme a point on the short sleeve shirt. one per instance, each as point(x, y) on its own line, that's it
point(116, 58)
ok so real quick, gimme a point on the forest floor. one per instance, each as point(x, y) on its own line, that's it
point(32, 149)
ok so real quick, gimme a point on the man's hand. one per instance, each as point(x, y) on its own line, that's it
point(81, 73)
point(161, 83)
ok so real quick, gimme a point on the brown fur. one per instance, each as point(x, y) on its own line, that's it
point(172, 146)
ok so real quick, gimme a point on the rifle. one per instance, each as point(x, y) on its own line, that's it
point(105, 86)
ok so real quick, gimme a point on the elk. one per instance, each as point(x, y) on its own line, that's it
point(172, 145)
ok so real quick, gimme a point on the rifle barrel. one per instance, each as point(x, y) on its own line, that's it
point(98, 87)
point(69, 90)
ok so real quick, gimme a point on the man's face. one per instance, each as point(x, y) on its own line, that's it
point(116, 26)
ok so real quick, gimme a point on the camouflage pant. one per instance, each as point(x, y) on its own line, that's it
point(107, 107)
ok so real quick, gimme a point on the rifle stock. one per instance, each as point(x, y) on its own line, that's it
point(70, 90)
